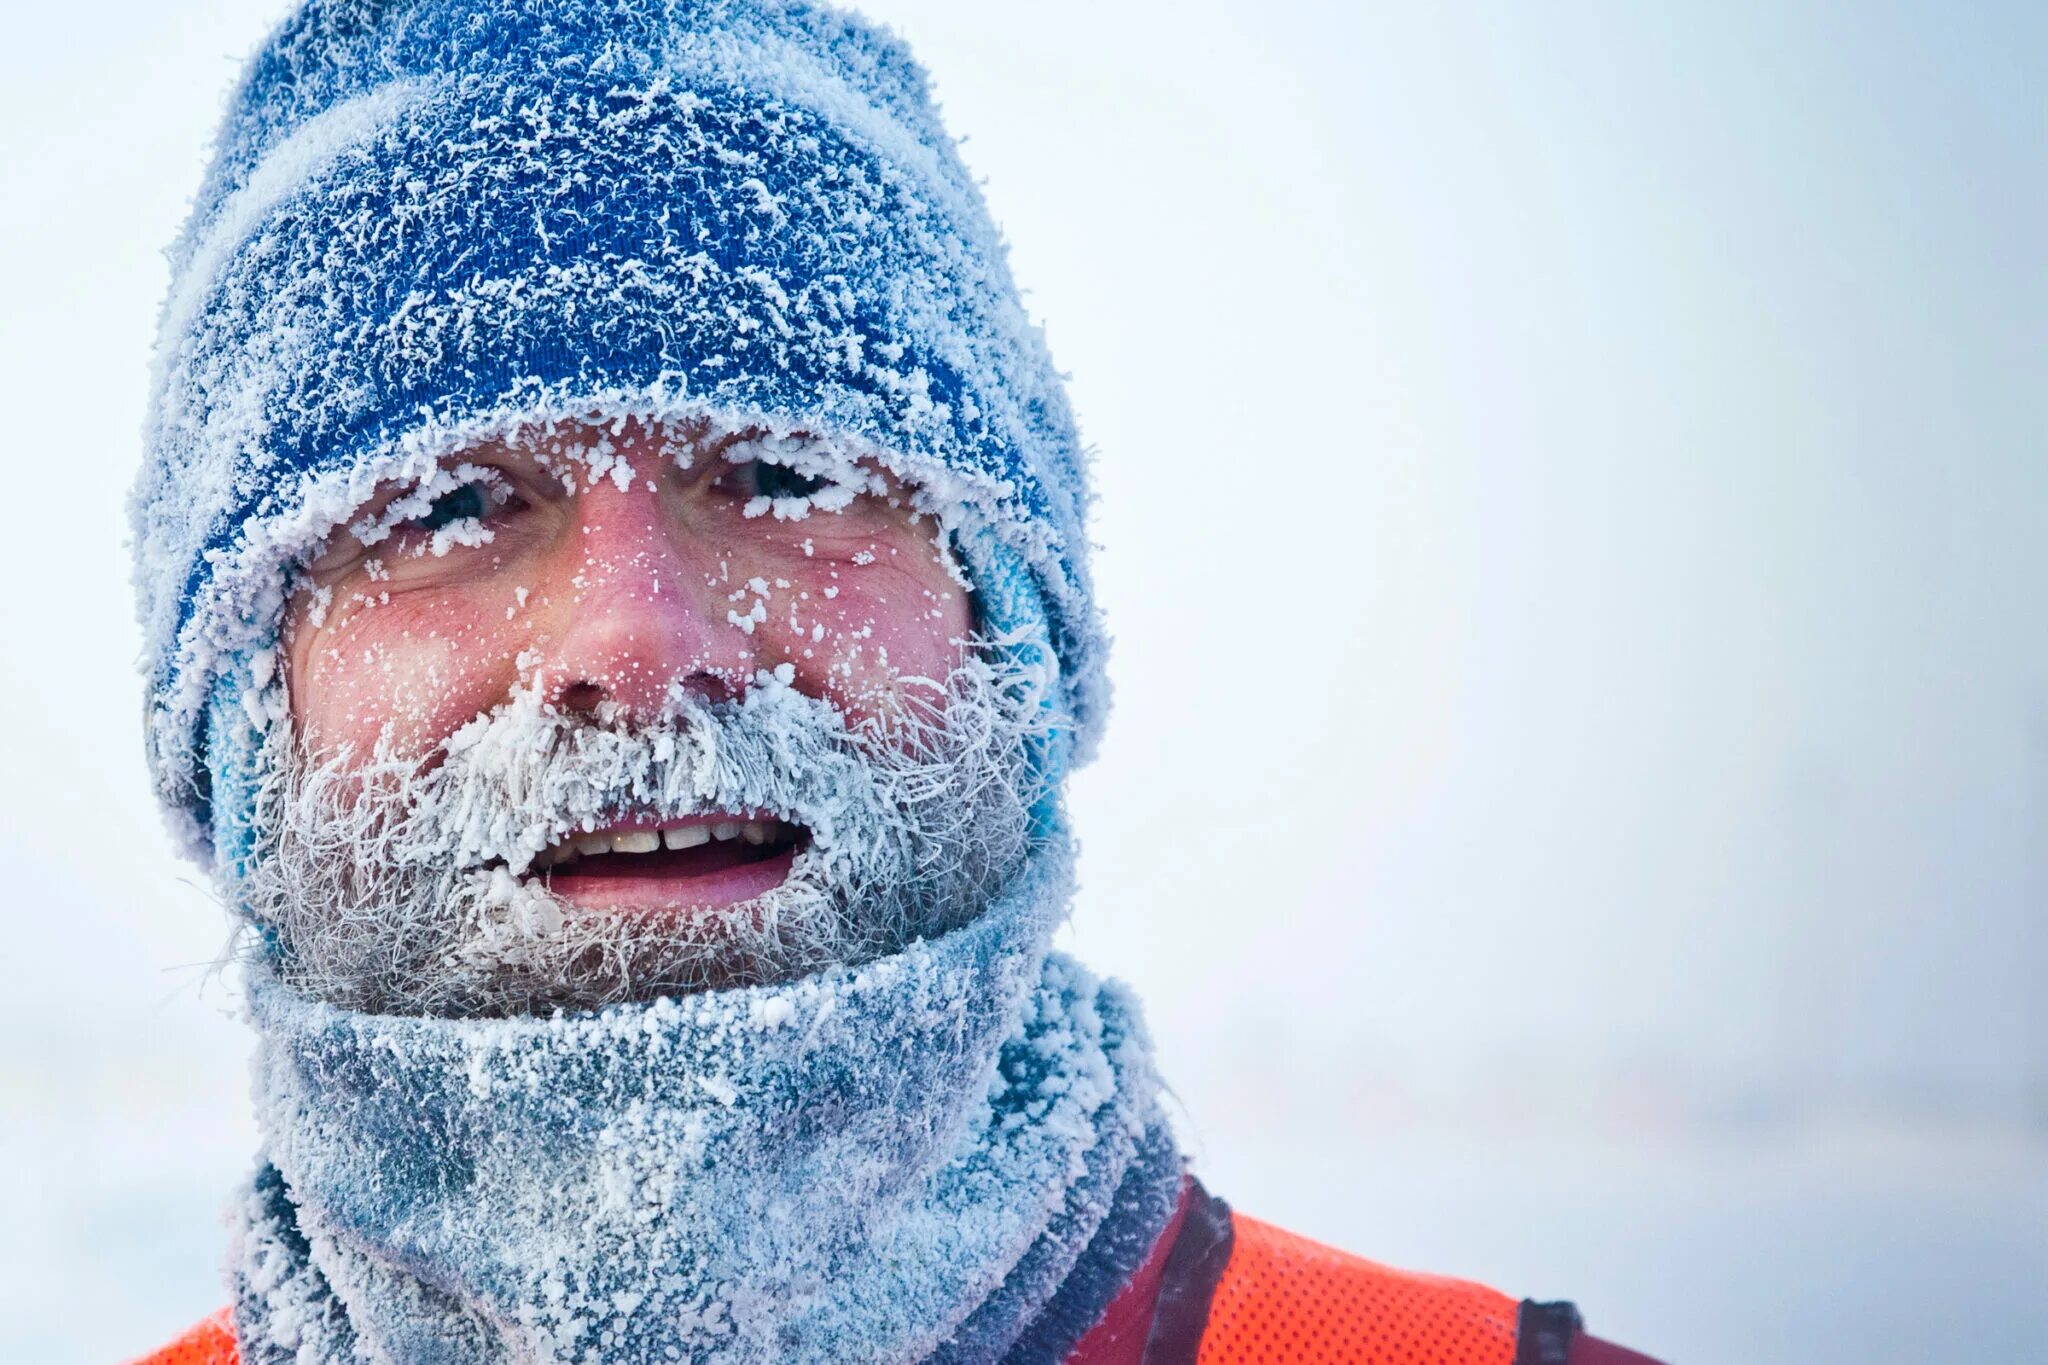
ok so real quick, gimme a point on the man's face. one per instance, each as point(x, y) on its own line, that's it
point(623, 587)
point(618, 564)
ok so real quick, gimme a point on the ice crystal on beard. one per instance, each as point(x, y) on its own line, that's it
point(391, 885)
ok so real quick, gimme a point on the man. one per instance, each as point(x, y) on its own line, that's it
point(612, 554)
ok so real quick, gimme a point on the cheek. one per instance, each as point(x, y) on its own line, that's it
point(852, 631)
point(416, 668)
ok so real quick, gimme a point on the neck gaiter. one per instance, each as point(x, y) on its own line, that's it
point(951, 1153)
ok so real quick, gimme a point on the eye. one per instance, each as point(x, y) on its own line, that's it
point(759, 479)
point(791, 477)
point(468, 506)
point(457, 505)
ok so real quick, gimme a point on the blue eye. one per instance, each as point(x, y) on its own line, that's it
point(457, 505)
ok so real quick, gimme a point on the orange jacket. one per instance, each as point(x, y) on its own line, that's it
point(1223, 1289)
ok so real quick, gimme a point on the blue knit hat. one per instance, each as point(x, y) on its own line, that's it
point(429, 222)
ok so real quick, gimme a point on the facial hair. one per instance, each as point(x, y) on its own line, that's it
point(399, 883)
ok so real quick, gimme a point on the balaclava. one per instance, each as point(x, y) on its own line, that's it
point(432, 222)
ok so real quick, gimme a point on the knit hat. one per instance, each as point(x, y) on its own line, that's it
point(431, 222)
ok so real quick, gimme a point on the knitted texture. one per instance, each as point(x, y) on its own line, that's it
point(904, 1160)
point(429, 222)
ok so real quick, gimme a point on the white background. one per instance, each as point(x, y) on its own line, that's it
point(1573, 519)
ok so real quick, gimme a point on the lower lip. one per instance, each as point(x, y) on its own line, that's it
point(709, 877)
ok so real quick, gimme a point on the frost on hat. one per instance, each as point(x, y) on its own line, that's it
point(429, 223)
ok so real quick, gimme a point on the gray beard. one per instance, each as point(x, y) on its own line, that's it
point(392, 884)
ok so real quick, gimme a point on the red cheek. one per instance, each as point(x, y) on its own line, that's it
point(418, 667)
point(852, 632)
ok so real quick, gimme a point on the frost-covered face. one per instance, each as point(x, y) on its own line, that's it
point(612, 711)
point(600, 569)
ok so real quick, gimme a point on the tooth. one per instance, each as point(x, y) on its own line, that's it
point(754, 832)
point(593, 843)
point(636, 841)
point(725, 830)
point(687, 837)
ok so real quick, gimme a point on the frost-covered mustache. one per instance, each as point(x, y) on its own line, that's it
point(382, 884)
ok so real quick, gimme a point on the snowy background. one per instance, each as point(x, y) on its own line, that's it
point(1575, 524)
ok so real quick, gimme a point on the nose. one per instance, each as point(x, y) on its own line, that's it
point(630, 619)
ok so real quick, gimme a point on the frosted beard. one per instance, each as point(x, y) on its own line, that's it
point(398, 883)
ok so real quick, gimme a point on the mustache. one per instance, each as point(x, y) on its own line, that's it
point(395, 882)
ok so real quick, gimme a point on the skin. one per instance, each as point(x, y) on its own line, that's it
point(603, 593)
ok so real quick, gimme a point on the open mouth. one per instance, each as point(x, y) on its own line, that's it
point(701, 862)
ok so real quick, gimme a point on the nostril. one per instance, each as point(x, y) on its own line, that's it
point(581, 696)
point(711, 685)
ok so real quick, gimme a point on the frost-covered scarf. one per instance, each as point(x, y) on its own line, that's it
point(953, 1153)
